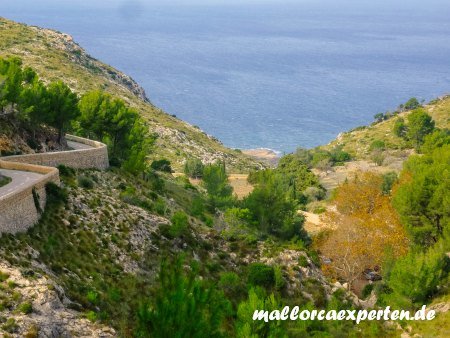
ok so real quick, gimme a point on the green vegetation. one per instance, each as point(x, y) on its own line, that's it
point(4, 180)
point(420, 124)
point(109, 120)
point(27, 101)
point(319, 158)
point(194, 168)
point(391, 129)
point(161, 165)
point(180, 224)
point(103, 234)
point(183, 306)
point(260, 274)
point(422, 197)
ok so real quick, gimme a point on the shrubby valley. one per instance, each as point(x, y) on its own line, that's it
point(162, 246)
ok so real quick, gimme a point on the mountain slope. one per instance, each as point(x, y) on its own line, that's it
point(56, 56)
point(358, 140)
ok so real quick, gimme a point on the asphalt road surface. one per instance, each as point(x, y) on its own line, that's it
point(25, 178)
point(77, 146)
point(20, 179)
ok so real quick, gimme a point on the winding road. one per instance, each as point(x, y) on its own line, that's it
point(20, 179)
point(25, 179)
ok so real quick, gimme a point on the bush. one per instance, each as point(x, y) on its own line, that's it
point(303, 261)
point(180, 224)
point(367, 290)
point(194, 168)
point(423, 271)
point(400, 128)
point(339, 156)
point(155, 182)
point(55, 194)
point(388, 181)
point(85, 182)
point(10, 325)
point(377, 157)
point(313, 194)
point(25, 308)
point(377, 145)
point(3, 276)
point(4, 180)
point(183, 305)
point(231, 284)
point(260, 274)
point(420, 124)
point(279, 279)
point(411, 104)
point(197, 207)
point(66, 171)
point(161, 165)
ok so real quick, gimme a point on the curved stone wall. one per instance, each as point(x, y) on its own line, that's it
point(94, 157)
point(19, 210)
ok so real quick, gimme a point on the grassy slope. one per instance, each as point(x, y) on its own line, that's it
point(55, 56)
point(358, 141)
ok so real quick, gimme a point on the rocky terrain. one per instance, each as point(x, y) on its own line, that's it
point(33, 305)
point(119, 225)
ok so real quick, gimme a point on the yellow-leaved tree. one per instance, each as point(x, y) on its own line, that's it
point(365, 227)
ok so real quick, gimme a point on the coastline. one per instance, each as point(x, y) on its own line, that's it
point(266, 155)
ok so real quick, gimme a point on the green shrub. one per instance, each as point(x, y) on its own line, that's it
point(92, 297)
point(91, 316)
point(66, 171)
point(183, 306)
point(303, 261)
point(180, 224)
point(25, 308)
point(194, 168)
point(85, 182)
point(411, 104)
point(229, 280)
point(423, 270)
point(339, 156)
point(10, 326)
point(377, 144)
point(367, 290)
point(260, 274)
point(161, 165)
point(313, 194)
point(3, 276)
point(4, 180)
point(388, 181)
point(155, 182)
point(198, 207)
point(279, 279)
point(55, 194)
point(400, 128)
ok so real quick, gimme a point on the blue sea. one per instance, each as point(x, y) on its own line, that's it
point(274, 74)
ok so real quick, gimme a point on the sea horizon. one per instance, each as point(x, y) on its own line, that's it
point(265, 75)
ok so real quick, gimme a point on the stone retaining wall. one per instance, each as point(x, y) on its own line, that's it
point(95, 157)
point(20, 210)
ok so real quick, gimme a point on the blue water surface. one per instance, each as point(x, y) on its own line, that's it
point(272, 74)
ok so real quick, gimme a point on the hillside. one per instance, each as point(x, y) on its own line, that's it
point(55, 56)
point(135, 249)
point(358, 140)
